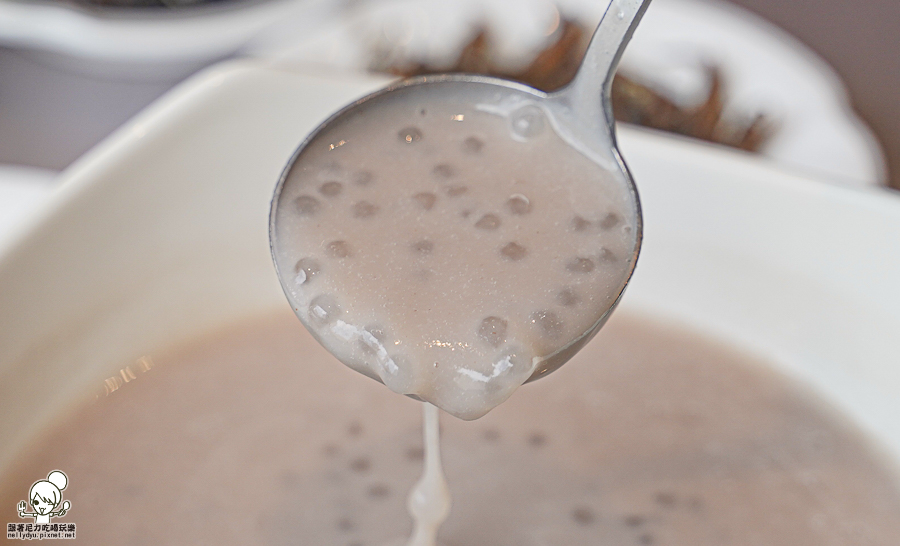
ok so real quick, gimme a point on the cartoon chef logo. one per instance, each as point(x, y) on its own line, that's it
point(45, 496)
point(45, 501)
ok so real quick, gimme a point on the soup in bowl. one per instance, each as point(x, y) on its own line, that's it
point(742, 393)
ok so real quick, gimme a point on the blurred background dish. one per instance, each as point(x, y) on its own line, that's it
point(763, 71)
point(71, 72)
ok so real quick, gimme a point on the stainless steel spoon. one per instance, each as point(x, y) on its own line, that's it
point(581, 113)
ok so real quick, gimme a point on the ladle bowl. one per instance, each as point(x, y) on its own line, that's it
point(580, 114)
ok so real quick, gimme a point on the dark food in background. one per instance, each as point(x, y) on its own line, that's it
point(633, 102)
point(147, 3)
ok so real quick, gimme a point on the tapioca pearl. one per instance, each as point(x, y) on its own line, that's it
point(526, 122)
point(580, 223)
point(456, 191)
point(324, 310)
point(415, 453)
point(610, 221)
point(378, 491)
point(355, 429)
point(567, 297)
point(518, 204)
point(443, 171)
point(646, 539)
point(307, 205)
point(491, 435)
point(580, 265)
point(582, 515)
point(339, 249)
point(363, 178)
point(666, 499)
point(364, 209)
point(423, 247)
point(606, 256)
point(360, 464)
point(489, 221)
point(409, 135)
point(634, 520)
point(331, 189)
point(537, 439)
point(305, 269)
point(472, 145)
point(345, 524)
point(425, 200)
point(331, 171)
point(492, 331)
point(546, 323)
point(513, 251)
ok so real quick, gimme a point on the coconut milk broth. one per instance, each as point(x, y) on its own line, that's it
point(651, 435)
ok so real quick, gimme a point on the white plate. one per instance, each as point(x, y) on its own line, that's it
point(160, 234)
point(144, 44)
point(765, 70)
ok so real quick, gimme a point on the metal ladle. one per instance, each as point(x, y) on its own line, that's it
point(581, 113)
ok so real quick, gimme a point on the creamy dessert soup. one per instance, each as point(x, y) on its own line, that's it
point(449, 243)
point(652, 435)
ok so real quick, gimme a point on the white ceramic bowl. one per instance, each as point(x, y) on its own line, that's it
point(160, 234)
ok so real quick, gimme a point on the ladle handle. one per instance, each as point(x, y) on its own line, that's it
point(589, 92)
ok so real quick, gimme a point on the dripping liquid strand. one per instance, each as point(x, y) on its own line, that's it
point(429, 501)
